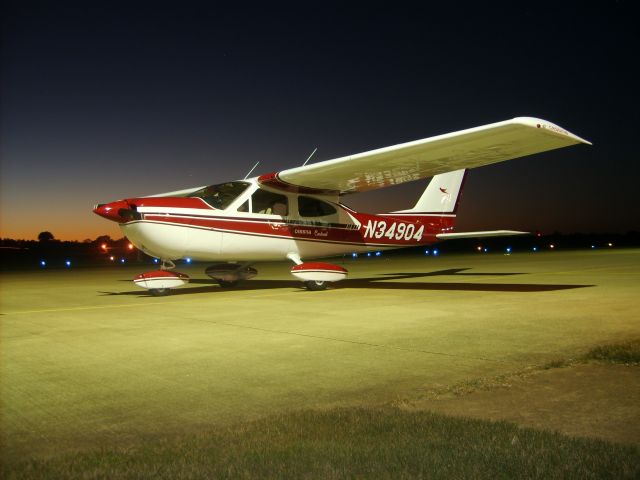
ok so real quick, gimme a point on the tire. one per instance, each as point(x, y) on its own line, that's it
point(316, 286)
point(227, 284)
point(159, 292)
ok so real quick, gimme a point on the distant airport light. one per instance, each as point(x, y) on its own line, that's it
point(508, 249)
point(368, 254)
point(593, 246)
point(354, 255)
point(479, 248)
point(378, 254)
point(485, 250)
point(610, 244)
point(122, 260)
point(535, 249)
point(43, 263)
point(427, 252)
point(67, 263)
point(112, 258)
point(188, 260)
point(436, 252)
point(155, 260)
point(552, 246)
point(130, 246)
point(103, 246)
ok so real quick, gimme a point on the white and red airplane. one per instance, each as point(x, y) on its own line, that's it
point(296, 214)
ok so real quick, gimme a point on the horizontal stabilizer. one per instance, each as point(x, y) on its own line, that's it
point(489, 233)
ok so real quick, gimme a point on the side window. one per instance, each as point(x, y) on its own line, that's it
point(312, 207)
point(244, 207)
point(269, 203)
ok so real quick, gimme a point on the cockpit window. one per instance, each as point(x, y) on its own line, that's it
point(222, 195)
point(269, 203)
point(312, 207)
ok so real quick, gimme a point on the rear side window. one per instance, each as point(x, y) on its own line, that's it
point(312, 207)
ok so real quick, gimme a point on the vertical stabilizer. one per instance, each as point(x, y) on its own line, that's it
point(441, 195)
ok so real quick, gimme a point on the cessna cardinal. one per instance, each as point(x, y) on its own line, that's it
point(296, 214)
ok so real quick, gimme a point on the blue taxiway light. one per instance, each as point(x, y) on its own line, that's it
point(155, 260)
point(67, 263)
point(122, 260)
point(378, 254)
point(436, 252)
point(354, 255)
point(188, 260)
point(427, 252)
point(508, 249)
point(43, 263)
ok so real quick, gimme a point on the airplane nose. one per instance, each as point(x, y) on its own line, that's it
point(120, 211)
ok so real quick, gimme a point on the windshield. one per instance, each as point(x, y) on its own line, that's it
point(222, 195)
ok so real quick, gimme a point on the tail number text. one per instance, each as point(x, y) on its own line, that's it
point(395, 230)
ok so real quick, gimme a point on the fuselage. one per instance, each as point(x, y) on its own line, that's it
point(246, 221)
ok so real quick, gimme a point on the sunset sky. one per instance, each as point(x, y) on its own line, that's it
point(106, 100)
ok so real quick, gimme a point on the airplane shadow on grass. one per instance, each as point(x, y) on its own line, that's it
point(381, 282)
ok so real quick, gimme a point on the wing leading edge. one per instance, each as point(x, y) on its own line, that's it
point(424, 158)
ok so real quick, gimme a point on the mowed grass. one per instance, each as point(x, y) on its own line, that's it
point(350, 443)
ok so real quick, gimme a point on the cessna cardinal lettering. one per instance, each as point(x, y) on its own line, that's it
point(296, 214)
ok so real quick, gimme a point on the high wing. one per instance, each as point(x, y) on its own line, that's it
point(424, 158)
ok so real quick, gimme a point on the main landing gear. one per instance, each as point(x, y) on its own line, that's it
point(315, 276)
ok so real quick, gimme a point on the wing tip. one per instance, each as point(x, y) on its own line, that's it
point(549, 127)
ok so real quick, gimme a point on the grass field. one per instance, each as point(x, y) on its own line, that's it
point(89, 363)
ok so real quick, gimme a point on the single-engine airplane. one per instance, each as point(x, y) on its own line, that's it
point(296, 214)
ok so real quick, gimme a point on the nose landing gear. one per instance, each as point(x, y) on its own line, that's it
point(160, 282)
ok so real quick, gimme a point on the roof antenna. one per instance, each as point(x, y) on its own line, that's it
point(254, 167)
point(314, 151)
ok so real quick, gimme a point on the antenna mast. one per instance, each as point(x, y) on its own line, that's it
point(314, 151)
point(254, 167)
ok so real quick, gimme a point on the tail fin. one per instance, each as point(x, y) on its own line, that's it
point(441, 195)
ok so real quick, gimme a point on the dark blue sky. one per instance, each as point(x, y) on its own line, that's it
point(104, 100)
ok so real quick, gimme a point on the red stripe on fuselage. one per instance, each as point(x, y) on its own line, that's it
point(389, 235)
